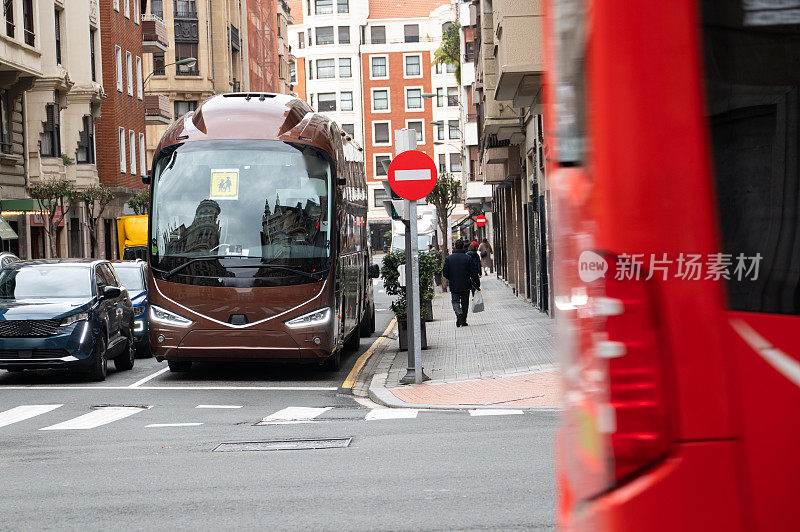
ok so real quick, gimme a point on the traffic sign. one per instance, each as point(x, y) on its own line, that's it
point(480, 220)
point(412, 175)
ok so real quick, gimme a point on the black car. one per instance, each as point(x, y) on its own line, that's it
point(65, 313)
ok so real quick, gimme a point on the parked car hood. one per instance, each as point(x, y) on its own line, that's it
point(41, 308)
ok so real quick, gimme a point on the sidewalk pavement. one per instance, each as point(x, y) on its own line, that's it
point(504, 358)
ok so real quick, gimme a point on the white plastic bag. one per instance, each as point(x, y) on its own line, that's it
point(477, 302)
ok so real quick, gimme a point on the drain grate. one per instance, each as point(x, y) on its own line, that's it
point(282, 445)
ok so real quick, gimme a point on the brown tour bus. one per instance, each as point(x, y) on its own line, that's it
point(257, 236)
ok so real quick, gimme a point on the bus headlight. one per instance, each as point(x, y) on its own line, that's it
point(166, 317)
point(318, 317)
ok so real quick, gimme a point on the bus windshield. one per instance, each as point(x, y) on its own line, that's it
point(244, 209)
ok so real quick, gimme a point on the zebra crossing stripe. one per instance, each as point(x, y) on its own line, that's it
point(21, 413)
point(391, 413)
point(494, 412)
point(97, 418)
point(294, 414)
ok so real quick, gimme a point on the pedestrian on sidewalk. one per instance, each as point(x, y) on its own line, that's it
point(485, 252)
point(472, 251)
point(460, 270)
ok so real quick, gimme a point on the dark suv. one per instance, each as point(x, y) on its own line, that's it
point(64, 313)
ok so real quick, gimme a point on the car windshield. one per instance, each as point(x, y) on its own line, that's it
point(45, 281)
point(241, 203)
point(130, 276)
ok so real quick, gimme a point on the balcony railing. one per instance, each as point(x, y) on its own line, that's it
point(156, 109)
point(154, 34)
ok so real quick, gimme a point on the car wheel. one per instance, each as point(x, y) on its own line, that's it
point(334, 362)
point(179, 366)
point(124, 360)
point(99, 368)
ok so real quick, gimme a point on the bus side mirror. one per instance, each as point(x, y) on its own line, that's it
point(146, 179)
point(374, 271)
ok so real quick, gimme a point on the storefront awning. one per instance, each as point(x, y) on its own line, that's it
point(20, 205)
point(6, 233)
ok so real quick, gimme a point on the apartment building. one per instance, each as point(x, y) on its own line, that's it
point(211, 32)
point(511, 147)
point(270, 55)
point(285, 57)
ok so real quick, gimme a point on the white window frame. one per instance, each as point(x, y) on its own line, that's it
point(139, 85)
point(370, 66)
point(132, 146)
point(339, 68)
point(127, 11)
point(118, 57)
point(375, 165)
point(405, 74)
point(422, 121)
point(123, 161)
point(388, 99)
point(142, 155)
point(389, 125)
point(334, 67)
point(129, 71)
point(116, 6)
point(137, 7)
point(421, 100)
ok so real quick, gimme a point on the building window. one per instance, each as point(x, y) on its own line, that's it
point(116, 5)
point(450, 68)
point(326, 68)
point(442, 163)
point(182, 107)
point(129, 71)
point(132, 143)
point(438, 68)
point(8, 11)
point(157, 8)
point(92, 54)
point(378, 67)
point(452, 96)
point(58, 35)
point(123, 165)
point(127, 10)
point(469, 51)
point(411, 32)
point(342, 6)
point(323, 7)
point(378, 196)
point(310, 69)
point(455, 162)
point(184, 50)
point(379, 169)
point(185, 8)
point(301, 40)
point(292, 73)
point(416, 125)
point(413, 98)
point(136, 9)
point(324, 35)
point(118, 57)
point(51, 132)
point(380, 100)
point(158, 64)
point(439, 97)
point(344, 34)
point(5, 122)
point(27, 21)
point(347, 101)
point(453, 131)
point(139, 86)
point(380, 133)
point(142, 155)
point(350, 129)
point(440, 131)
point(378, 34)
point(326, 101)
point(85, 153)
point(344, 68)
point(413, 65)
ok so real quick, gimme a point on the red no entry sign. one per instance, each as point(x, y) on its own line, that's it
point(412, 175)
point(480, 220)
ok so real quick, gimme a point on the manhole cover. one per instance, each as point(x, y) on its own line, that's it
point(282, 445)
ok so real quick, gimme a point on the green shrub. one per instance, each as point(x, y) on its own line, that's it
point(428, 265)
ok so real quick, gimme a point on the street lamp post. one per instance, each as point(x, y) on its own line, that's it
point(189, 61)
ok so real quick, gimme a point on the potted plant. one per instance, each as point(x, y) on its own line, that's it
point(391, 283)
point(429, 266)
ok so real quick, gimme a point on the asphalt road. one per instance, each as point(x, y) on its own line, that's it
point(137, 452)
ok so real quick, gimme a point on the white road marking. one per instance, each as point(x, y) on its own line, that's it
point(259, 388)
point(218, 406)
point(97, 418)
point(159, 425)
point(153, 376)
point(21, 413)
point(294, 414)
point(391, 413)
point(494, 412)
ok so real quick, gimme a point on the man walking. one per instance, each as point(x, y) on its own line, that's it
point(463, 274)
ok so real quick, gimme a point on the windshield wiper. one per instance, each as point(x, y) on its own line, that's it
point(288, 269)
point(180, 267)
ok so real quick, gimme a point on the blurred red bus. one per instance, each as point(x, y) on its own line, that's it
point(675, 134)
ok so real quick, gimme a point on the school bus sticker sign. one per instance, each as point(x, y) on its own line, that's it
point(224, 184)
